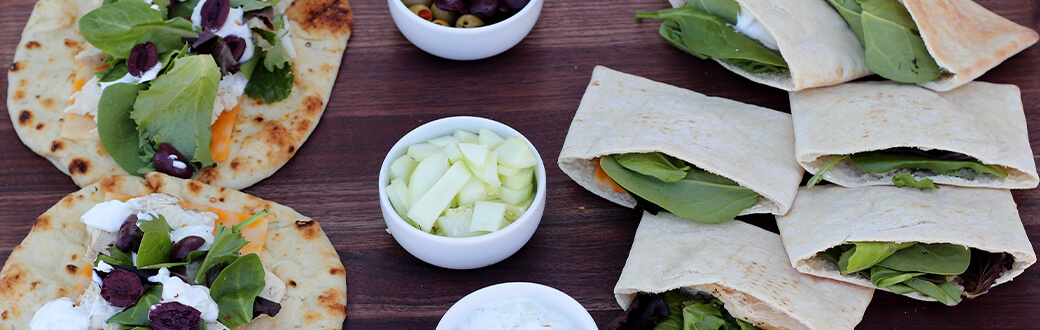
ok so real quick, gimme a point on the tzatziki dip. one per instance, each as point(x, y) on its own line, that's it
point(513, 313)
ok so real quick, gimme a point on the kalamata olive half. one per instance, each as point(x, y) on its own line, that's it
point(170, 161)
point(214, 14)
point(142, 57)
point(130, 235)
point(173, 316)
point(184, 246)
point(236, 45)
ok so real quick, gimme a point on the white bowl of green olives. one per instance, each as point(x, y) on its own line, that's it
point(468, 33)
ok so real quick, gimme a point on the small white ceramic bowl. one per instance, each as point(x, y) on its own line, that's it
point(461, 252)
point(555, 300)
point(465, 43)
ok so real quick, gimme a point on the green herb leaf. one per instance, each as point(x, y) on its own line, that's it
point(251, 5)
point(702, 316)
point(183, 9)
point(850, 10)
point(816, 178)
point(700, 311)
point(113, 72)
point(236, 288)
point(177, 108)
point(192, 257)
point(115, 256)
point(945, 293)
point(270, 85)
point(941, 259)
point(908, 180)
point(226, 246)
point(156, 244)
point(118, 132)
point(655, 164)
point(884, 277)
point(704, 35)
point(116, 28)
point(864, 255)
point(727, 10)
point(880, 162)
point(894, 48)
point(138, 313)
point(700, 196)
point(275, 57)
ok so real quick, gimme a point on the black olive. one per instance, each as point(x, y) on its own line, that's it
point(184, 246)
point(130, 235)
point(236, 45)
point(142, 57)
point(170, 161)
point(214, 14)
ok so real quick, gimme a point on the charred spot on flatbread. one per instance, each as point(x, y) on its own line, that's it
point(331, 299)
point(32, 45)
point(71, 43)
point(209, 175)
point(317, 16)
point(71, 269)
point(79, 166)
point(57, 145)
point(194, 187)
point(47, 102)
point(292, 283)
point(15, 66)
point(39, 126)
point(42, 222)
point(18, 95)
point(313, 104)
point(24, 117)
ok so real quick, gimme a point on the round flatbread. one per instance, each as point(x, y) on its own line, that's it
point(265, 135)
point(47, 263)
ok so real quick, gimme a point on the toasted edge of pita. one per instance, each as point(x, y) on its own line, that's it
point(742, 265)
point(982, 120)
point(966, 39)
point(827, 216)
point(622, 113)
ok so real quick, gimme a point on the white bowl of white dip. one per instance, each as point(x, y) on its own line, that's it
point(517, 305)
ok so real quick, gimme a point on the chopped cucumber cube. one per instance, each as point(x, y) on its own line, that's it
point(425, 175)
point(507, 171)
point(465, 136)
point(456, 222)
point(488, 216)
point(442, 141)
point(430, 206)
point(453, 152)
point(402, 167)
point(488, 171)
point(524, 178)
point(420, 151)
point(473, 191)
point(515, 153)
point(516, 196)
point(489, 138)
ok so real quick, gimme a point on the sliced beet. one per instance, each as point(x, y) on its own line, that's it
point(121, 288)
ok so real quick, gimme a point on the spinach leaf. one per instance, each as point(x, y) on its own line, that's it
point(192, 257)
point(226, 246)
point(235, 289)
point(118, 132)
point(894, 48)
point(177, 108)
point(727, 10)
point(816, 178)
point(704, 35)
point(941, 259)
point(908, 180)
point(270, 85)
point(251, 5)
point(138, 313)
point(884, 277)
point(115, 256)
point(880, 162)
point(655, 164)
point(944, 292)
point(674, 319)
point(183, 9)
point(850, 10)
point(113, 72)
point(703, 316)
point(864, 255)
point(156, 244)
point(247, 67)
point(700, 196)
point(116, 28)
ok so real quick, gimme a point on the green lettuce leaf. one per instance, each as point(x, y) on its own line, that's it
point(114, 71)
point(270, 86)
point(700, 196)
point(944, 292)
point(901, 271)
point(115, 256)
point(655, 164)
point(702, 316)
point(699, 311)
point(156, 244)
point(850, 10)
point(236, 288)
point(116, 28)
point(251, 5)
point(192, 257)
point(940, 259)
point(183, 9)
point(275, 57)
point(226, 246)
point(864, 255)
point(908, 180)
point(138, 313)
point(118, 132)
point(177, 108)
point(884, 277)
point(880, 162)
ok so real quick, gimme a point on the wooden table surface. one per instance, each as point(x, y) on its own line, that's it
point(386, 87)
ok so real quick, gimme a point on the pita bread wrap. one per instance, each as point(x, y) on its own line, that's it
point(47, 264)
point(831, 56)
point(982, 120)
point(740, 264)
point(266, 135)
point(622, 113)
point(827, 216)
point(966, 39)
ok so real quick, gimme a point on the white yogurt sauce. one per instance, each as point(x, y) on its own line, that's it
point(146, 76)
point(513, 313)
point(749, 26)
point(194, 296)
point(60, 313)
point(107, 216)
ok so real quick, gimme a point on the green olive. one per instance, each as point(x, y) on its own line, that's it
point(422, 10)
point(468, 21)
point(441, 22)
point(448, 16)
point(409, 3)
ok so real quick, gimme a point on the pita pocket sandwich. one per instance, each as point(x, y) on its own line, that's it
point(732, 272)
point(786, 44)
point(703, 158)
point(938, 44)
point(939, 245)
point(883, 133)
point(169, 253)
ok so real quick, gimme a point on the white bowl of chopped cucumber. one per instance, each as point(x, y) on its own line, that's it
point(462, 192)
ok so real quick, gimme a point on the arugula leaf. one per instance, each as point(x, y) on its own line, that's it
point(864, 255)
point(270, 85)
point(116, 28)
point(705, 35)
point(940, 259)
point(850, 10)
point(816, 178)
point(236, 288)
point(881, 161)
point(177, 108)
point(226, 246)
point(700, 196)
point(115, 257)
point(118, 132)
point(251, 5)
point(655, 164)
point(156, 244)
point(192, 257)
point(908, 180)
point(138, 313)
point(944, 292)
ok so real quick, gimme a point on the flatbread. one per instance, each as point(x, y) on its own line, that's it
point(982, 120)
point(621, 113)
point(827, 216)
point(966, 39)
point(265, 137)
point(819, 47)
point(742, 265)
point(44, 266)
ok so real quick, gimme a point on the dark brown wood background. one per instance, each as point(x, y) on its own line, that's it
point(386, 87)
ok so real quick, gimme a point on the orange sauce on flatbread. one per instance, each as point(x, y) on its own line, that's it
point(604, 180)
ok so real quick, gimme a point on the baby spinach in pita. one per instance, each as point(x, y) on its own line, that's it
point(226, 246)
point(683, 312)
point(704, 29)
point(906, 267)
point(698, 195)
point(121, 139)
point(117, 27)
point(936, 161)
point(236, 288)
point(655, 164)
point(894, 48)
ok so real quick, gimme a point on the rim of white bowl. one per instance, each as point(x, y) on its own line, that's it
point(539, 179)
point(463, 31)
point(534, 291)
